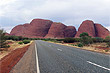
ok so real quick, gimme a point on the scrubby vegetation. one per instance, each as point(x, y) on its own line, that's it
point(26, 41)
point(16, 38)
point(85, 39)
point(71, 40)
point(20, 42)
point(80, 45)
point(108, 41)
point(97, 39)
point(3, 43)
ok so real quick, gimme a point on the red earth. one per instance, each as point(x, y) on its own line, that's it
point(9, 61)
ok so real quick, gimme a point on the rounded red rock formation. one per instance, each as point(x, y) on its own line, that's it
point(70, 31)
point(38, 28)
point(94, 30)
point(101, 31)
point(41, 27)
point(57, 30)
point(86, 26)
point(21, 30)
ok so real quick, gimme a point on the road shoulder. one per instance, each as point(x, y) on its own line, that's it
point(27, 63)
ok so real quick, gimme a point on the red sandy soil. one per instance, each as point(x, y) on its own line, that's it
point(103, 48)
point(9, 61)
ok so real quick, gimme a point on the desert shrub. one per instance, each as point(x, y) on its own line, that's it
point(97, 39)
point(69, 40)
point(80, 45)
point(25, 38)
point(83, 34)
point(85, 39)
point(107, 39)
point(108, 44)
point(20, 42)
point(26, 41)
point(48, 39)
point(60, 39)
point(16, 38)
point(106, 50)
point(3, 43)
point(20, 38)
point(75, 45)
point(76, 39)
point(8, 46)
point(33, 38)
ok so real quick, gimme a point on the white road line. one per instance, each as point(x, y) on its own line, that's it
point(98, 65)
point(49, 45)
point(59, 49)
point(37, 63)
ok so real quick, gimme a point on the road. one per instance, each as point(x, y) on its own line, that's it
point(54, 58)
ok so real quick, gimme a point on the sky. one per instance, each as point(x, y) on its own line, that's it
point(69, 12)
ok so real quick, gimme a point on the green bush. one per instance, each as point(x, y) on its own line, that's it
point(107, 39)
point(20, 42)
point(69, 40)
point(85, 39)
point(108, 44)
point(84, 34)
point(77, 39)
point(97, 39)
point(26, 41)
point(76, 45)
point(15, 38)
point(80, 45)
point(3, 43)
point(106, 50)
point(8, 46)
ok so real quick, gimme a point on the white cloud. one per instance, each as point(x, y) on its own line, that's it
point(7, 28)
point(70, 12)
point(5, 2)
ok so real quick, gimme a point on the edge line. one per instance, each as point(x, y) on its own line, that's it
point(37, 63)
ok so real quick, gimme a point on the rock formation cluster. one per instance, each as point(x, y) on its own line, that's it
point(40, 28)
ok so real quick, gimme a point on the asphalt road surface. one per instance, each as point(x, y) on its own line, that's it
point(54, 58)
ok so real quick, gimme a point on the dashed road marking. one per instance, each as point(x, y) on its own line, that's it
point(98, 65)
point(50, 45)
point(37, 63)
point(59, 49)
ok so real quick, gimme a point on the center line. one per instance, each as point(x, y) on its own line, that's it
point(59, 49)
point(49, 45)
point(98, 65)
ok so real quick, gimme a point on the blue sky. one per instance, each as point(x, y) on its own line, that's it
point(69, 12)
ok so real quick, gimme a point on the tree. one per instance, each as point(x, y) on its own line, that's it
point(85, 39)
point(3, 43)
